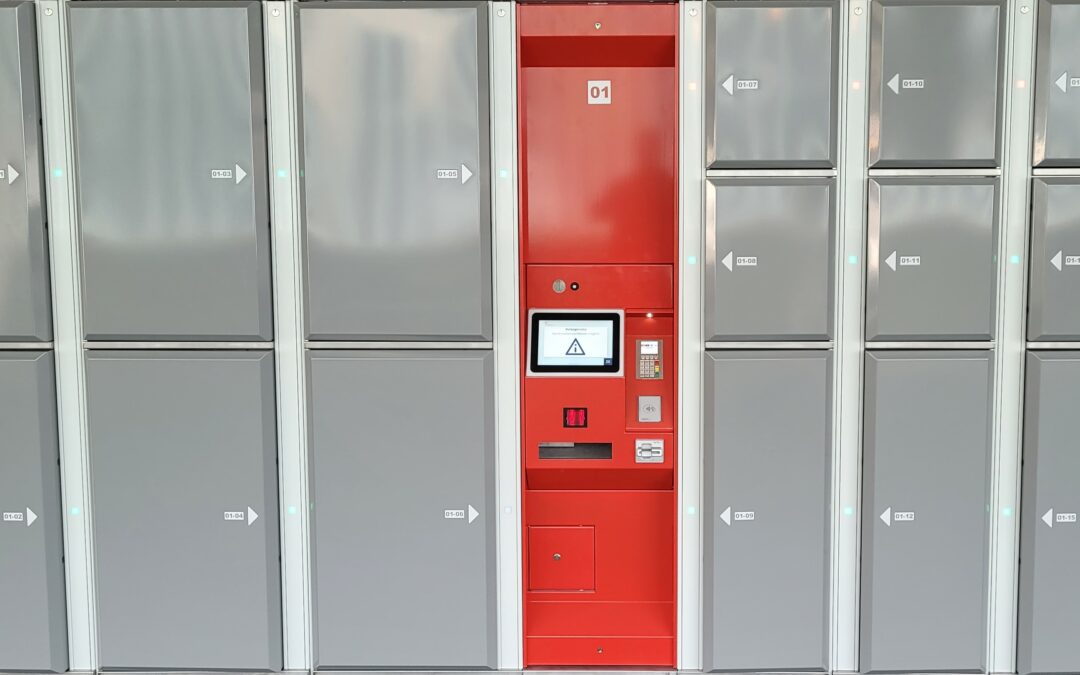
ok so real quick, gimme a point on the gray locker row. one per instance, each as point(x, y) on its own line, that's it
point(184, 510)
point(173, 212)
point(932, 259)
point(925, 532)
point(935, 83)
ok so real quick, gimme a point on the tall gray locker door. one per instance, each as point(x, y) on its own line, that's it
point(403, 459)
point(932, 259)
point(769, 261)
point(170, 138)
point(184, 510)
point(767, 447)
point(1057, 85)
point(24, 268)
point(33, 619)
point(1050, 532)
point(926, 513)
point(771, 69)
point(1054, 291)
point(396, 186)
point(935, 82)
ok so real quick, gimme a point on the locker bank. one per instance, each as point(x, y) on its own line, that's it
point(729, 336)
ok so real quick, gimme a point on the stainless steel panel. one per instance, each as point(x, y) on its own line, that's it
point(24, 268)
point(183, 462)
point(767, 457)
point(403, 455)
point(170, 139)
point(935, 81)
point(393, 94)
point(771, 68)
point(1050, 532)
point(1057, 85)
point(1054, 289)
point(926, 512)
point(769, 259)
point(932, 259)
point(33, 619)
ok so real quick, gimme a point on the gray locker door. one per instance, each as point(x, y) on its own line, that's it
point(1057, 85)
point(1054, 291)
point(932, 259)
point(183, 462)
point(403, 461)
point(33, 619)
point(935, 78)
point(769, 260)
point(771, 70)
point(1050, 535)
point(767, 447)
point(170, 137)
point(396, 183)
point(926, 504)
point(24, 268)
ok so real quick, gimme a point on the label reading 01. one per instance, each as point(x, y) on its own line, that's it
point(575, 418)
point(599, 92)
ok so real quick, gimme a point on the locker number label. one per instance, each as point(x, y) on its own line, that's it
point(454, 514)
point(904, 516)
point(599, 92)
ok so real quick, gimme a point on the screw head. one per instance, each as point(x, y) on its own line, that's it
point(502, 12)
point(557, 556)
point(276, 12)
point(597, 25)
point(48, 11)
point(858, 11)
point(1025, 9)
point(693, 11)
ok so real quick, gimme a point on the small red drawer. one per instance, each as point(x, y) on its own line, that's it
point(561, 558)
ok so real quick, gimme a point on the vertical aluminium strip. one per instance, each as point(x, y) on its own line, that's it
point(1018, 91)
point(67, 321)
point(503, 63)
point(852, 257)
point(279, 43)
point(692, 345)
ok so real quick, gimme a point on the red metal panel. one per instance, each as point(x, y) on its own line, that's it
point(599, 232)
point(561, 558)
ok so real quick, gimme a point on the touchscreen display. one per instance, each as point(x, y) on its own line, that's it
point(575, 342)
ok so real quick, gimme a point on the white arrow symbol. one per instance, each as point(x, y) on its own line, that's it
point(12, 174)
point(465, 174)
point(1056, 261)
point(726, 516)
point(30, 517)
point(886, 516)
point(891, 261)
point(252, 516)
point(1063, 81)
point(729, 85)
point(473, 513)
point(240, 174)
point(727, 260)
point(894, 83)
point(1048, 518)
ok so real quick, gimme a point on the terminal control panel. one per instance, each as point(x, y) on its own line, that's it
point(598, 93)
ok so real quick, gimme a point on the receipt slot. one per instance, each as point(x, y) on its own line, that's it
point(598, 92)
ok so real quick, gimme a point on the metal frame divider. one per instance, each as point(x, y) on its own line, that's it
point(56, 106)
point(1018, 91)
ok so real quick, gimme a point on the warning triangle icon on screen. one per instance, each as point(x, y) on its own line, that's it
point(575, 349)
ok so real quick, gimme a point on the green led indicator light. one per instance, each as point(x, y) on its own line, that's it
point(281, 173)
point(853, 260)
point(1007, 512)
point(59, 173)
point(292, 510)
point(75, 510)
point(849, 510)
point(503, 173)
point(691, 260)
point(1015, 260)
